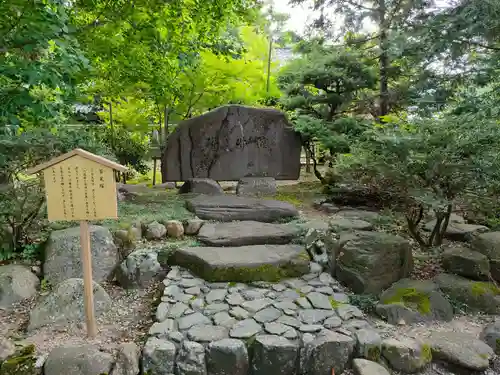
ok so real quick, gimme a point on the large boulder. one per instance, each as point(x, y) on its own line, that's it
point(274, 355)
point(491, 336)
point(413, 301)
point(489, 245)
point(63, 255)
point(65, 304)
point(460, 349)
point(232, 142)
point(21, 361)
point(201, 186)
point(479, 296)
point(155, 231)
point(140, 269)
point(406, 355)
point(17, 283)
point(231, 208)
point(78, 360)
point(241, 233)
point(369, 262)
point(365, 367)
point(243, 263)
point(464, 262)
point(127, 359)
point(227, 357)
point(458, 231)
point(256, 186)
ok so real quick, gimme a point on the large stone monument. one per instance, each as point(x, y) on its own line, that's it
point(232, 142)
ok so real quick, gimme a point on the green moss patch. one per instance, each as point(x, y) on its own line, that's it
point(21, 363)
point(410, 298)
point(481, 288)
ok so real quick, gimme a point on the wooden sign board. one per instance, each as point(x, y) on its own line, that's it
point(81, 186)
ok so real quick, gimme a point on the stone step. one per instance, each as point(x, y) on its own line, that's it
point(243, 233)
point(244, 263)
point(231, 208)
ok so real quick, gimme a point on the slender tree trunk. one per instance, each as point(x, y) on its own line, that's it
point(269, 57)
point(384, 60)
point(308, 159)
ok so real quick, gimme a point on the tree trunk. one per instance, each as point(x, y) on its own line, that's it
point(384, 60)
point(308, 159)
point(269, 57)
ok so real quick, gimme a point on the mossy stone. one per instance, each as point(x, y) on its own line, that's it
point(21, 363)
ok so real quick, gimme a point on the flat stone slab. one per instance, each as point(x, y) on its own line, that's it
point(232, 208)
point(244, 263)
point(241, 233)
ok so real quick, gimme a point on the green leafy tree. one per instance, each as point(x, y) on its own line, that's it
point(322, 88)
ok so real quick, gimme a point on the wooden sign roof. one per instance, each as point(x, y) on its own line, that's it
point(84, 154)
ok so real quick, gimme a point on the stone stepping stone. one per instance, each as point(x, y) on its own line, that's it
point(230, 208)
point(244, 263)
point(241, 233)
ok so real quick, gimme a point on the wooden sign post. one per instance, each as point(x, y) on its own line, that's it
point(80, 186)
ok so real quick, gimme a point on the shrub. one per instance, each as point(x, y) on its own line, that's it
point(428, 164)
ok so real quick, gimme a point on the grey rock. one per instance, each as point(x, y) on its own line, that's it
point(176, 336)
point(162, 311)
point(155, 231)
point(242, 262)
point(191, 282)
point(303, 302)
point(17, 283)
point(197, 304)
point(7, 348)
point(310, 328)
point(215, 308)
point(460, 349)
point(389, 258)
point(347, 312)
point(207, 333)
point(332, 322)
point(201, 186)
point(257, 304)
point(319, 301)
point(174, 274)
point(217, 295)
point(295, 283)
point(191, 320)
point(223, 319)
point(239, 313)
point(63, 259)
point(340, 298)
point(65, 304)
point(271, 295)
point(242, 233)
point(458, 231)
point(231, 208)
point(491, 336)
point(278, 287)
point(315, 268)
point(234, 299)
point(306, 289)
point(285, 305)
point(289, 321)
point(291, 334)
point(250, 144)
point(274, 355)
point(195, 290)
point(354, 325)
point(177, 310)
point(365, 367)
point(313, 316)
point(172, 291)
point(347, 224)
point(370, 216)
point(315, 283)
point(325, 290)
point(489, 245)
point(330, 350)
point(267, 315)
point(479, 296)
point(245, 329)
point(184, 298)
point(406, 355)
point(78, 360)
point(326, 279)
point(276, 328)
point(289, 294)
point(191, 359)
point(218, 285)
point(368, 344)
point(127, 359)
point(464, 262)
point(411, 301)
point(251, 294)
point(256, 186)
point(290, 312)
point(227, 357)
point(193, 226)
point(162, 329)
